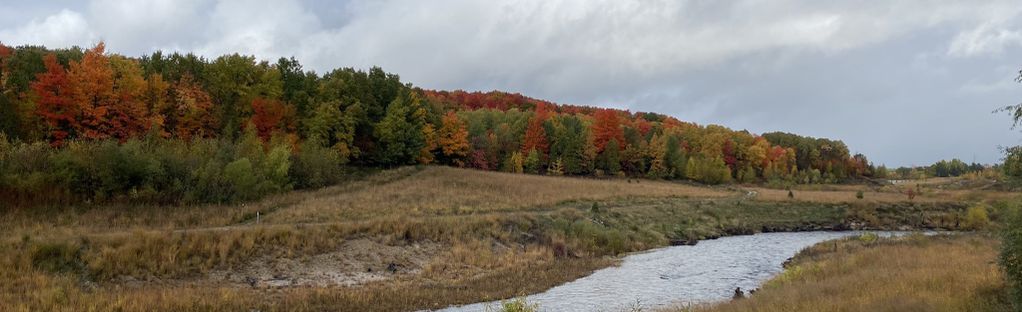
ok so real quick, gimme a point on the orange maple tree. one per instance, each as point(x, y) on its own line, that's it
point(607, 127)
point(269, 116)
point(453, 138)
point(109, 97)
point(535, 134)
point(191, 104)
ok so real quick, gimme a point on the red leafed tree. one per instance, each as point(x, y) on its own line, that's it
point(54, 103)
point(730, 157)
point(269, 116)
point(5, 54)
point(607, 127)
point(643, 126)
point(535, 134)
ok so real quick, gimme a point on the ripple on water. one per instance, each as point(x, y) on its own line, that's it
point(706, 272)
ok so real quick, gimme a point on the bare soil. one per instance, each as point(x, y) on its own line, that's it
point(355, 262)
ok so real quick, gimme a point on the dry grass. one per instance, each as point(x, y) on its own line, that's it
point(498, 235)
point(846, 194)
point(956, 273)
point(873, 195)
point(446, 191)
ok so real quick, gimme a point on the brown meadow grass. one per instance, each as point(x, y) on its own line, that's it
point(446, 191)
point(500, 235)
point(917, 273)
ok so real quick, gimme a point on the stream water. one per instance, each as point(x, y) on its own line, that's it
point(677, 275)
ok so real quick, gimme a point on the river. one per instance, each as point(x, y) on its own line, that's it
point(677, 275)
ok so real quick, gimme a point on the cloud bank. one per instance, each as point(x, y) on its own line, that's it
point(905, 82)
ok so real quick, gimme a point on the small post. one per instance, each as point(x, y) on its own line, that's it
point(257, 217)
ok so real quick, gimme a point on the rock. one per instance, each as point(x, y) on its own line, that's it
point(252, 281)
point(684, 242)
point(739, 294)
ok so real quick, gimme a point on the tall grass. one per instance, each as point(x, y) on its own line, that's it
point(918, 273)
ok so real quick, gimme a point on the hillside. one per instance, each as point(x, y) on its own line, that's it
point(87, 126)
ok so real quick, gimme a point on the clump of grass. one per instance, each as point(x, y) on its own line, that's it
point(59, 257)
point(517, 304)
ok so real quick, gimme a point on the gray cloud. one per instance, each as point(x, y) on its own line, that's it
point(905, 82)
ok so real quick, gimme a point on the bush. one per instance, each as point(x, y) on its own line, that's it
point(1011, 255)
point(316, 166)
point(159, 170)
point(859, 194)
point(976, 218)
point(243, 180)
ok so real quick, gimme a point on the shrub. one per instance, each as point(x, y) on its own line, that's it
point(242, 178)
point(858, 194)
point(315, 166)
point(1011, 255)
point(976, 218)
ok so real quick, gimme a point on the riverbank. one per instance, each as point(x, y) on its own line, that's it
point(866, 273)
point(403, 239)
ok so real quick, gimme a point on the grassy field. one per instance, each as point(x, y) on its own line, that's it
point(402, 239)
point(917, 273)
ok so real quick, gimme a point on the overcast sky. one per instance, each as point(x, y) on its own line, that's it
point(904, 82)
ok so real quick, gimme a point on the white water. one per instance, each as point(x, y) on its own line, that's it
point(677, 275)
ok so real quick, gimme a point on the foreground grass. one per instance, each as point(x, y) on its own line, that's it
point(501, 235)
point(917, 273)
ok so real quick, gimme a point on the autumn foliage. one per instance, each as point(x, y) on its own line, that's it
point(270, 116)
point(607, 127)
point(54, 103)
point(363, 118)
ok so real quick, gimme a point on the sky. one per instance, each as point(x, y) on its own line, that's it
point(904, 82)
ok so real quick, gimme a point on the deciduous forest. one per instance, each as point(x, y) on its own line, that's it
point(87, 125)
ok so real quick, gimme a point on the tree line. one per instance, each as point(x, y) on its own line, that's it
point(90, 125)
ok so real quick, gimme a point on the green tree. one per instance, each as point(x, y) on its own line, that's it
point(533, 162)
point(400, 131)
point(515, 163)
point(677, 162)
point(610, 159)
point(569, 144)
